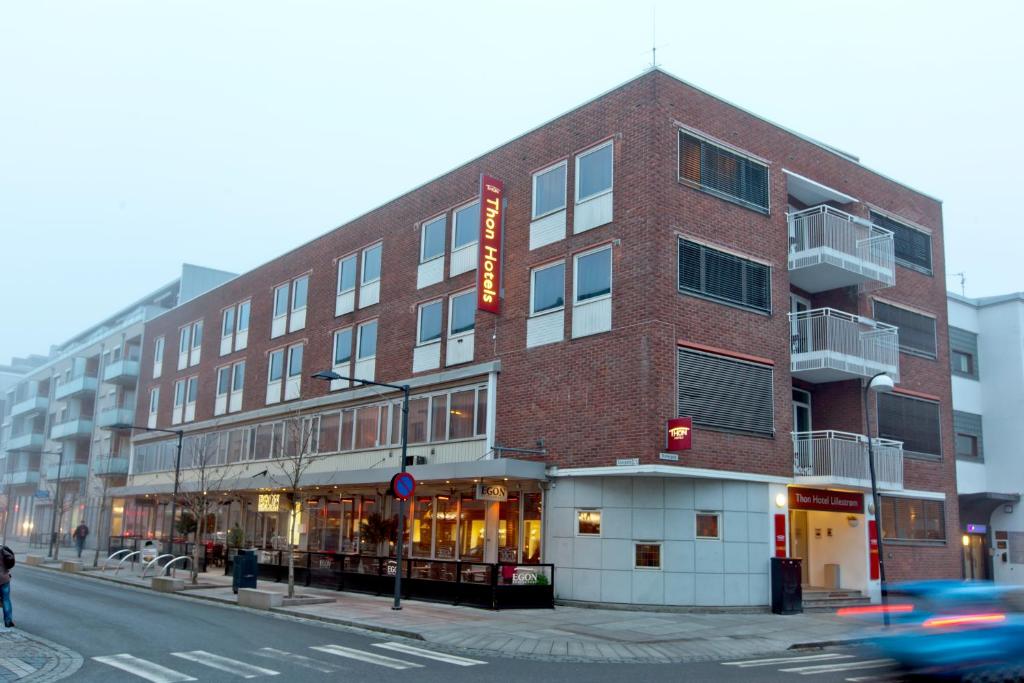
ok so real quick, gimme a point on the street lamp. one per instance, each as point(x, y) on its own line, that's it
point(55, 547)
point(330, 376)
point(124, 426)
point(880, 383)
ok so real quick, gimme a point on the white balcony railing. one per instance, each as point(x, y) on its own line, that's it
point(829, 346)
point(831, 457)
point(830, 248)
point(75, 428)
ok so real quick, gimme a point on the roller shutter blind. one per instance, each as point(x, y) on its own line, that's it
point(967, 343)
point(913, 421)
point(725, 393)
point(917, 332)
point(913, 248)
point(720, 275)
point(722, 172)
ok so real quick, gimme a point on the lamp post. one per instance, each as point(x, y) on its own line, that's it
point(879, 383)
point(54, 546)
point(328, 376)
point(124, 426)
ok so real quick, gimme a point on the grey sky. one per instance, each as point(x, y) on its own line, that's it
point(138, 135)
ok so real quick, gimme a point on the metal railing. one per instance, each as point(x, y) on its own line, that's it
point(844, 456)
point(829, 339)
point(823, 234)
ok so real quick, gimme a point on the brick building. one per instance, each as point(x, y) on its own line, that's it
point(665, 253)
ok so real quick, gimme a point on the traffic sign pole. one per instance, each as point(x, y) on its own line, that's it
point(401, 503)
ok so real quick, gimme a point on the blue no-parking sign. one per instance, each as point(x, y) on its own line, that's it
point(403, 485)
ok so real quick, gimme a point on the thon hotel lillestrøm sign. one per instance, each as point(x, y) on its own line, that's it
point(826, 501)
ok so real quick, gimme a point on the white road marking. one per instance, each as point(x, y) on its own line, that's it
point(865, 679)
point(840, 666)
point(143, 669)
point(786, 660)
point(232, 666)
point(369, 657)
point(298, 660)
point(428, 654)
point(17, 666)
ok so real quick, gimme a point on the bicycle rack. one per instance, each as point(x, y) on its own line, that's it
point(112, 557)
point(167, 566)
point(155, 560)
point(126, 557)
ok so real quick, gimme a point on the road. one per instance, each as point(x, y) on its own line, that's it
point(134, 635)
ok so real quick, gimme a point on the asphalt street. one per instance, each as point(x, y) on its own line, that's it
point(132, 635)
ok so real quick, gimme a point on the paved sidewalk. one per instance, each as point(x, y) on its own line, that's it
point(31, 659)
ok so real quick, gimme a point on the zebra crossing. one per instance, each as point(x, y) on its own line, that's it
point(861, 670)
point(196, 663)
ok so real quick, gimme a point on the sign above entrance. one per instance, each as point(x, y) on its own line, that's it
point(42, 493)
point(680, 434)
point(495, 492)
point(268, 502)
point(825, 501)
point(488, 286)
point(977, 529)
point(403, 485)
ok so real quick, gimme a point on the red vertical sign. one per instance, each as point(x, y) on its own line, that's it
point(679, 434)
point(488, 270)
point(780, 535)
point(873, 545)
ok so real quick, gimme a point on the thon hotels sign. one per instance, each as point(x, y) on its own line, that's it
point(826, 501)
point(488, 270)
point(679, 432)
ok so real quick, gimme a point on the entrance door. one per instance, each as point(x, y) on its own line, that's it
point(802, 426)
point(798, 542)
point(974, 558)
point(800, 330)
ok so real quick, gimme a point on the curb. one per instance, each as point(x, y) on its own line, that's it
point(818, 644)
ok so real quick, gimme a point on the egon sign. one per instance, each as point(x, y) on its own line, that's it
point(488, 290)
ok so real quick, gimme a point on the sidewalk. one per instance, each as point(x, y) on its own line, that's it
point(24, 657)
point(565, 633)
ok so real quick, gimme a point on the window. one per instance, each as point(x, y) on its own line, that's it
point(913, 247)
point(963, 363)
point(300, 292)
point(429, 323)
point(967, 427)
point(238, 377)
point(193, 390)
point(367, 341)
point(588, 522)
point(367, 426)
point(276, 370)
point(281, 300)
point(963, 346)
point(460, 413)
point(913, 519)
point(707, 525)
point(916, 331)
point(594, 172)
point(179, 393)
point(432, 239)
point(723, 173)
point(371, 264)
point(154, 400)
point(593, 276)
point(547, 288)
point(158, 350)
point(647, 556)
point(343, 346)
point(295, 360)
point(913, 421)
point(183, 337)
point(461, 313)
point(223, 380)
point(719, 275)
point(227, 326)
point(549, 190)
point(347, 274)
point(243, 316)
point(197, 334)
point(467, 226)
point(725, 393)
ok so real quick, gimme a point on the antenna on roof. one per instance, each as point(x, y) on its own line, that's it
point(654, 36)
point(963, 281)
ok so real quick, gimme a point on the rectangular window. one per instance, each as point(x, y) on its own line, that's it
point(223, 380)
point(371, 264)
point(913, 247)
point(243, 316)
point(429, 323)
point(707, 525)
point(967, 427)
point(461, 414)
point(295, 360)
point(916, 331)
point(725, 393)
point(154, 400)
point(594, 172)
point(549, 190)
point(720, 275)
point(547, 288)
point(418, 410)
point(343, 346)
point(347, 274)
point(913, 421)
point(227, 326)
point(466, 225)
point(179, 393)
point(588, 522)
point(913, 519)
point(281, 300)
point(158, 350)
point(723, 173)
point(963, 363)
point(238, 377)
point(197, 334)
point(963, 347)
point(183, 336)
point(193, 390)
point(461, 313)
point(439, 417)
point(367, 423)
point(647, 556)
point(432, 240)
point(367, 341)
point(593, 276)
point(276, 370)
point(300, 292)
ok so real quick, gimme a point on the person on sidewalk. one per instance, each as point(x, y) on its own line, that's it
point(81, 531)
point(6, 563)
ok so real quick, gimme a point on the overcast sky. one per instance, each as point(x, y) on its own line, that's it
point(135, 136)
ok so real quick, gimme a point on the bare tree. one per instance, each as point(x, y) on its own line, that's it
point(200, 455)
point(298, 451)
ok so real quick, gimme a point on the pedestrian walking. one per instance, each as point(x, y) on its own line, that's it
point(81, 531)
point(6, 564)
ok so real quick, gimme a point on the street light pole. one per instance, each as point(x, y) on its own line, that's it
point(329, 376)
point(877, 384)
point(54, 546)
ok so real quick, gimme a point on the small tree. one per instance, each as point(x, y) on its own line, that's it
point(378, 530)
point(298, 451)
point(199, 454)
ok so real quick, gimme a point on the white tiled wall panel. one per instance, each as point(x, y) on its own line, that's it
point(430, 273)
point(273, 392)
point(592, 213)
point(550, 228)
point(463, 260)
point(345, 370)
point(235, 402)
point(426, 357)
point(369, 294)
point(365, 368)
point(277, 326)
point(591, 317)
point(292, 388)
point(460, 350)
point(545, 329)
point(241, 339)
point(225, 345)
point(297, 320)
point(345, 303)
point(220, 404)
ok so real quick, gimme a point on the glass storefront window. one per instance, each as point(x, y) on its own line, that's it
point(418, 419)
point(508, 529)
point(471, 529)
point(531, 528)
point(447, 524)
point(461, 412)
point(438, 417)
point(423, 527)
point(367, 507)
point(348, 525)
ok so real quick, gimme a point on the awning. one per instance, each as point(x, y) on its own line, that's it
point(812, 193)
point(977, 508)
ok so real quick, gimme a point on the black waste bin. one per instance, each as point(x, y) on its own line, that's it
point(787, 593)
point(244, 570)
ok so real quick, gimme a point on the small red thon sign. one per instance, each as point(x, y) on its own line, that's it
point(680, 434)
point(488, 272)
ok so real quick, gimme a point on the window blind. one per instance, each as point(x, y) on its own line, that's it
point(725, 393)
point(917, 332)
point(913, 421)
point(913, 248)
point(720, 275)
point(723, 172)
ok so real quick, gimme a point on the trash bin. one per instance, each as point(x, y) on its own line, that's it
point(787, 593)
point(245, 570)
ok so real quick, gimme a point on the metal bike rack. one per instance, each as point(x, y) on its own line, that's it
point(167, 566)
point(112, 557)
point(155, 560)
point(125, 558)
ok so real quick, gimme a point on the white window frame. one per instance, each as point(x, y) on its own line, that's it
point(295, 290)
point(565, 189)
point(362, 263)
point(273, 311)
point(179, 393)
point(197, 325)
point(302, 353)
point(359, 339)
point(576, 279)
point(224, 369)
point(576, 179)
point(533, 284)
point(154, 400)
point(270, 365)
point(158, 350)
point(355, 280)
point(713, 513)
point(238, 315)
point(576, 522)
point(224, 319)
point(661, 556)
point(185, 338)
point(451, 307)
point(234, 370)
point(334, 345)
point(190, 382)
point(423, 231)
point(419, 322)
point(455, 213)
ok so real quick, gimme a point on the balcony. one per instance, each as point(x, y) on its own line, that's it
point(115, 415)
point(70, 471)
point(20, 477)
point(30, 406)
point(110, 466)
point(829, 249)
point(830, 458)
point(76, 428)
point(124, 371)
point(29, 441)
point(831, 346)
point(76, 386)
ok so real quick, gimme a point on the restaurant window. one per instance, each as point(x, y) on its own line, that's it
point(367, 507)
point(532, 509)
point(348, 428)
point(446, 527)
point(471, 529)
point(549, 190)
point(348, 525)
point(588, 522)
point(707, 525)
point(647, 556)
point(461, 415)
point(423, 527)
point(913, 519)
point(508, 529)
point(722, 172)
